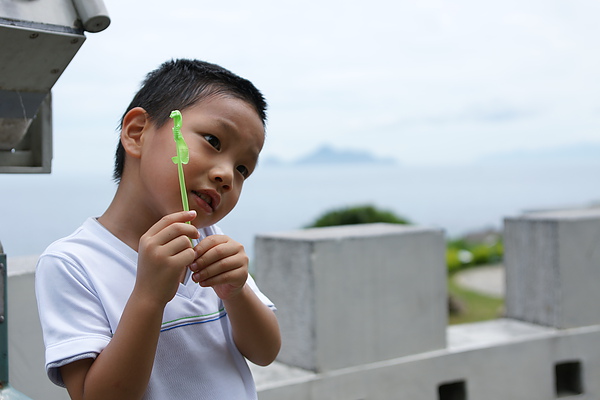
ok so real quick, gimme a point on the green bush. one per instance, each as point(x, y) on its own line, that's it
point(461, 253)
point(452, 260)
point(367, 214)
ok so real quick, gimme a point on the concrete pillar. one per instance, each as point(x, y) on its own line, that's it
point(355, 294)
point(552, 264)
point(25, 342)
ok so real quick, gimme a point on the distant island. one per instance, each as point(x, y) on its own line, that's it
point(331, 156)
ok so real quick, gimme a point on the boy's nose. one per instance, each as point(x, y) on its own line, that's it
point(222, 177)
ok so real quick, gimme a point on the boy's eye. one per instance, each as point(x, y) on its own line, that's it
point(243, 170)
point(213, 141)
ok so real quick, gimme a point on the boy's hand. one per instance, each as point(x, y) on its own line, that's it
point(222, 264)
point(163, 254)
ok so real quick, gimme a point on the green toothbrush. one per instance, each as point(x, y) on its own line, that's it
point(182, 157)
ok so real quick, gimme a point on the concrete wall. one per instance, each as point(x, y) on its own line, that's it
point(547, 349)
point(25, 344)
point(339, 287)
point(363, 316)
point(553, 272)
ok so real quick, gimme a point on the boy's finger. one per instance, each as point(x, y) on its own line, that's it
point(214, 255)
point(182, 216)
point(179, 245)
point(221, 248)
point(219, 267)
point(210, 242)
point(232, 276)
point(175, 230)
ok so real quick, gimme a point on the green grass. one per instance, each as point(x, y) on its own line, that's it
point(478, 307)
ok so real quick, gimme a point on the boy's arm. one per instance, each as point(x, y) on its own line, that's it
point(255, 327)
point(122, 370)
point(223, 265)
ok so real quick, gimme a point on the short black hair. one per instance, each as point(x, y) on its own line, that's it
point(179, 84)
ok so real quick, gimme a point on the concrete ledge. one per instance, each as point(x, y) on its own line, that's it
point(495, 360)
point(493, 333)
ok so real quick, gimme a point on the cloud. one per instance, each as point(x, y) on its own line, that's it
point(396, 78)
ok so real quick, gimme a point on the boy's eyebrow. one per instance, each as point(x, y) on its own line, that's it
point(226, 124)
point(231, 128)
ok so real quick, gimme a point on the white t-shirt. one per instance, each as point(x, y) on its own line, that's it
point(83, 282)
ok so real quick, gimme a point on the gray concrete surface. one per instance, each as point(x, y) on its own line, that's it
point(337, 289)
point(25, 344)
point(492, 360)
point(552, 262)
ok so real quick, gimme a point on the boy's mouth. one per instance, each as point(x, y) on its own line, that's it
point(210, 197)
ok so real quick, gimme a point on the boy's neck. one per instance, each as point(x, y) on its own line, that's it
point(119, 220)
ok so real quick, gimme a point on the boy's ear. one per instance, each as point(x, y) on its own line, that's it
point(134, 124)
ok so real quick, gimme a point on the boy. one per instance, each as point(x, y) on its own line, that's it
point(120, 321)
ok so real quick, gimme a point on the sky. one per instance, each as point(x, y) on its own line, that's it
point(427, 82)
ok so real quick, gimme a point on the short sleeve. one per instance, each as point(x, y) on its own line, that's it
point(260, 294)
point(74, 323)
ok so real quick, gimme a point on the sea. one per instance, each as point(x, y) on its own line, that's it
point(35, 210)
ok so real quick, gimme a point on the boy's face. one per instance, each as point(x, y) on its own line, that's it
point(225, 136)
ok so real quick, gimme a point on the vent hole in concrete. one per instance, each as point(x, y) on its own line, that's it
point(452, 391)
point(567, 376)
